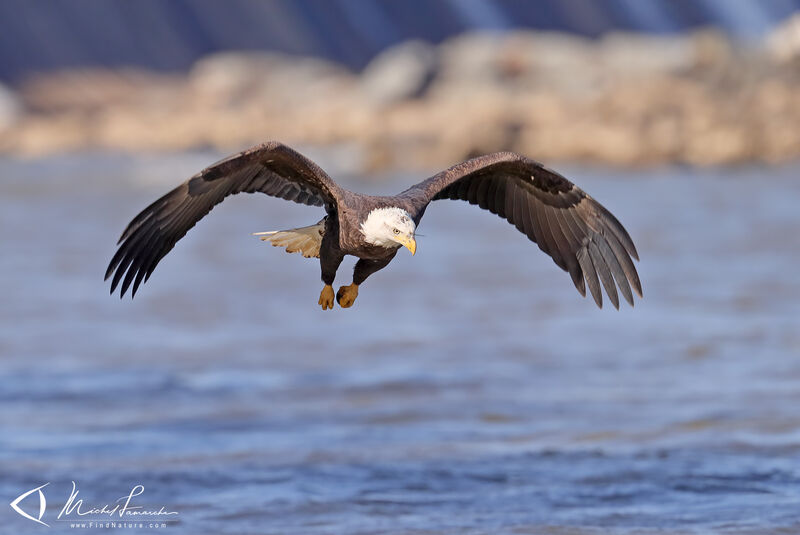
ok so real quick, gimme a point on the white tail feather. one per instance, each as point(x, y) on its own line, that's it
point(305, 240)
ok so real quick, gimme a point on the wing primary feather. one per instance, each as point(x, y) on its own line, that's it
point(589, 226)
point(575, 245)
point(570, 229)
point(605, 273)
point(618, 229)
point(533, 229)
point(148, 246)
point(626, 262)
point(140, 220)
point(128, 250)
point(139, 276)
point(133, 227)
point(115, 260)
point(576, 225)
point(152, 209)
point(547, 244)
point(577, 279)
point(130, 247)
point(176, 228)
point(591, 275)
point(615, 267)
point(565, 244)
point(583, 234)
point(166, 236)
point(129, 276)
point(151, 251)
point(149, 262)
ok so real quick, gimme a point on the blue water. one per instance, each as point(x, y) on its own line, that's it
point(470, 389)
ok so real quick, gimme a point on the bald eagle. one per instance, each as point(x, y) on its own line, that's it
point(579, 234)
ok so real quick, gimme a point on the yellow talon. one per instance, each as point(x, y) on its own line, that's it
point(326, 297)
point(346, 295)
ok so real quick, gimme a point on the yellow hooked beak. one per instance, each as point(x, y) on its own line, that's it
point(409, 243)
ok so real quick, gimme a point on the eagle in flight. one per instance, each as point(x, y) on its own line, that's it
point(579, 234)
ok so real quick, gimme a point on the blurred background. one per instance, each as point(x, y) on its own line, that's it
point(470, 389)
point(407, 84)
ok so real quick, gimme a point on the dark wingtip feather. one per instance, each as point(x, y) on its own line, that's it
point(627, 241)
point(577, 280)
point(618, 229)
point(626, 263)
point(139, 276)
point(115, 280)
point(115, 260)
point(126, 283)
point(603, 242)
point(636, 283)
point(604, 272)
point(585, 261)
point(628, 297)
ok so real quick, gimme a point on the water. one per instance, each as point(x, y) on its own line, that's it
point(470, 389)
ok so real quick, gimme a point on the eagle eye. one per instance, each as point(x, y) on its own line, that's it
point(396, 231)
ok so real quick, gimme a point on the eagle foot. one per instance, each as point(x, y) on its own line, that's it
point(326, 297)
point(346, 295)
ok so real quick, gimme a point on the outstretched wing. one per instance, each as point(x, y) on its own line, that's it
point(270, 168)
point(580, 235)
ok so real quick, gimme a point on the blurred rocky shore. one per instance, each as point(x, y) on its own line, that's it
point(627, 100)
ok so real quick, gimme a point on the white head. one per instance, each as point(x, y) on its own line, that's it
point(390, 227)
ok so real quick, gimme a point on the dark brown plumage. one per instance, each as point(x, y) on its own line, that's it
point(578, 233)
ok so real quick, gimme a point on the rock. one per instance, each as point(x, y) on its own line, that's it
point(627, 100)
point(10, 108)
point(229, 79)
point(783, 43)
point(399, 73)
point(641, 56)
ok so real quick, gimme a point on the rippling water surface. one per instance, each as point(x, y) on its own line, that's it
point(470, 390)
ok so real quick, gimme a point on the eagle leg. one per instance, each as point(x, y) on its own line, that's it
point(346, 295)
point(326, 297)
